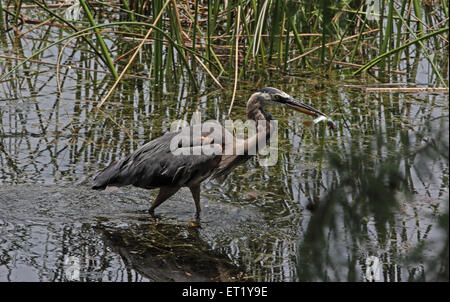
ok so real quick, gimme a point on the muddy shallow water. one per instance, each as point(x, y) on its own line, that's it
point(113, 236)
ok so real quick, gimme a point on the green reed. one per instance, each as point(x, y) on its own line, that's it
point(158, 43)
point(103, 47)
point(274, 34)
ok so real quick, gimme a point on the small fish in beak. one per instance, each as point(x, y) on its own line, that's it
point(320, 116)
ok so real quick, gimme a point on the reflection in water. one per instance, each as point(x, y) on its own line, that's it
point(370, 211)
point(110, 237)
point(166, 252)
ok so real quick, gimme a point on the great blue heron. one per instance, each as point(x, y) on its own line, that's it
point(157, 165)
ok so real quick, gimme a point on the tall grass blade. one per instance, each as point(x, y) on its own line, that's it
point(388, 29)
point(158, 43)
point(113, 24)
point(433, 66)
point(103, 47)
point(70, 25)
point(259, 27)
point(2, 24)
point(375, 61)
point(127, 7)
point(419, 15)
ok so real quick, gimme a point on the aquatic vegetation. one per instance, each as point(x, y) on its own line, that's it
point(79, 91)
point(225, 36)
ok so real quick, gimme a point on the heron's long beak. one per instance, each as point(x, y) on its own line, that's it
point(299, 106)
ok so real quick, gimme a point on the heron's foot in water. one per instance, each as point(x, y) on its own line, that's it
point(152, 214)
point(195, 223)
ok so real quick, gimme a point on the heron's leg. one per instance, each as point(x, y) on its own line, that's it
point(195, 190)
point(163, 195)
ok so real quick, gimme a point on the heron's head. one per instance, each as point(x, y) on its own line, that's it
point(270, 95)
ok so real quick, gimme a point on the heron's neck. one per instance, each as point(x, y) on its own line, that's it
point(255, 111)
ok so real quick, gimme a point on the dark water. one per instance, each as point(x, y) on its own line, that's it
point(257, 225)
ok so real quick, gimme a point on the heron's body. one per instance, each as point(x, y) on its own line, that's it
point(161, 164)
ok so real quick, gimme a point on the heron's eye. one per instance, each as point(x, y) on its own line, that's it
point(279, 98)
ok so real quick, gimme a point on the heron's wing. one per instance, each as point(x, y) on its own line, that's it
point(232, 147)
point(232, 150)
point(174, 159)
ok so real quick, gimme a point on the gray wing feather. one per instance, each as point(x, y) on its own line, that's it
point(155, 165)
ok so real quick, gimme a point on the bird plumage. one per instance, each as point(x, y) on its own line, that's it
point(186, 157)
point(155, 165)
